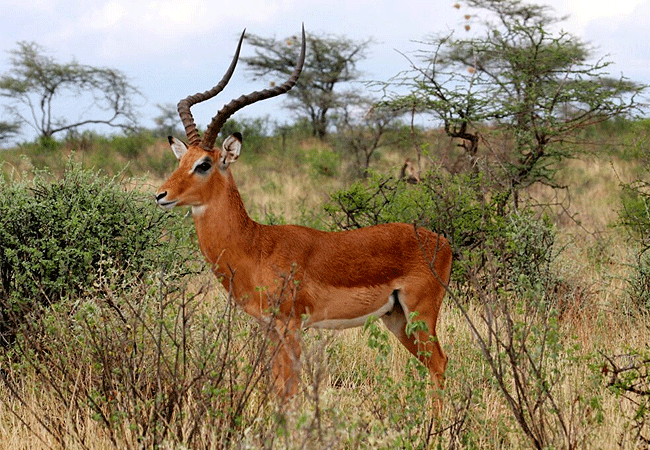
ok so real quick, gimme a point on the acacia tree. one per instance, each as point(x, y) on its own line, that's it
point(167, 119)
point(8, 130)
point(363, 126)
point(37, 81)
point(329, 62)
point(537, 87)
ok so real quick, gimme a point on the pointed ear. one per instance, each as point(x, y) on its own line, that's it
point(230, 149)
point(178, 147)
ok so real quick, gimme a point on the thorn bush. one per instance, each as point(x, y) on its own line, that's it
point(57, 235)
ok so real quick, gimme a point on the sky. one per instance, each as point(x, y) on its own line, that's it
point(169, 49)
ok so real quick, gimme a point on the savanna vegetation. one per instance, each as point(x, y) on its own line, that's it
point(114, 333)
point(135, 344)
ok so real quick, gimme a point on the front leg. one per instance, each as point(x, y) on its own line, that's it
point(286, 358)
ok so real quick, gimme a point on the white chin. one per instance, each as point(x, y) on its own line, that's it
point(198, 210)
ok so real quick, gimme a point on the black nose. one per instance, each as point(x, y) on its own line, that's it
point(161, 195)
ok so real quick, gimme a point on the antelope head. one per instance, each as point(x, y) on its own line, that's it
point(202, 170)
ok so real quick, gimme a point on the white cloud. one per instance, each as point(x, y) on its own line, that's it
point(588, 10)
point(34, 5)
point(175, 15)
point(625, 42)
point(583, 12)
point(108, 16)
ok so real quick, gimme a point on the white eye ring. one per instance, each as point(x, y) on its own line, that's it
point(202, 166)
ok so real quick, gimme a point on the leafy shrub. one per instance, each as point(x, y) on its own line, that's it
point(323, 162)
point(635, 217)
point(639, 282)
point(299, 130)
point(635, 211)
point(161, 164)
point(628, 378)
point(57, 236)
point(130, 145)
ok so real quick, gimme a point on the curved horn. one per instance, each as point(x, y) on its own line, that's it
point(185, 104)
point(235, 105)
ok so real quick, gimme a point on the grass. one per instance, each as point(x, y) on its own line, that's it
point(353, 395)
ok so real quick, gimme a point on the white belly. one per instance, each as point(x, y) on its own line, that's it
point(351, 322)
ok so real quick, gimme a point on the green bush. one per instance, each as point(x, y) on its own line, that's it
point(634, 216)
point(635, 211)
point(57, 236)
point(639, 282)
point(130, 145)
point(446, 204)
point(323, 162)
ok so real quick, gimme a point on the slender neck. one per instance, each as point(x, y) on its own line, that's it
point(226, 234)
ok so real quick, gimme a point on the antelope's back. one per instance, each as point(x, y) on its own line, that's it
point(372, 255)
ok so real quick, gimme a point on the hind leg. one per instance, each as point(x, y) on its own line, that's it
point(423, 344)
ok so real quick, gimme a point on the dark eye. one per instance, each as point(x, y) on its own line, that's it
point(203, 167)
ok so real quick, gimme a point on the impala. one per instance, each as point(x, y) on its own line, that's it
point(396, 271)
